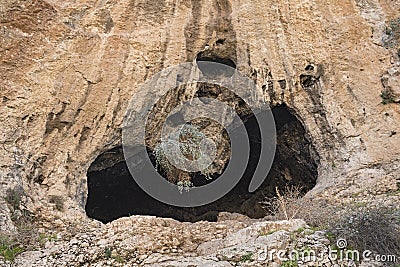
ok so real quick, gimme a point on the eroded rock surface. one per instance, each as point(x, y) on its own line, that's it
point(68, 70)
point(150, 241)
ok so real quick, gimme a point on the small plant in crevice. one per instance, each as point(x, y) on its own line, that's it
point(392, 34)
point(107, 253)
point(263, 233)
point(289, 263)
point(14, 197)
point(186, 142)
point(387, 97)
point(58, 201)
point(9, 248)
point(43, 238)
point(119, 258)
point(247, 257)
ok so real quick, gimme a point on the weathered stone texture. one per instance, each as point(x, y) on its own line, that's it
point(69, 68)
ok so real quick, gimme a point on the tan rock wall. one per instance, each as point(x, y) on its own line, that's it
point(69, 68)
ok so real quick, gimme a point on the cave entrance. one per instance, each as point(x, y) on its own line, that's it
point(113, 193)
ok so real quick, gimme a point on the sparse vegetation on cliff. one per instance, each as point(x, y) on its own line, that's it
point(9, 248)
point(375, 229)
point(13, 197)
point(392, 38)
point(188, 142)
point(58, 201)
point(387, 97)
point(364, 227)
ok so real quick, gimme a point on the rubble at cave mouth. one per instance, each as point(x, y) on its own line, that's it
point(113, 193)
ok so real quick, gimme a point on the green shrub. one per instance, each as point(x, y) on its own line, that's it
point(387, 97)
point(13, 197)
point(119, 259)
point(8, 248)
point(374, 229)
point(392, 38)
point(43, 238)
point(247, 257)
point(188, 140)
point(289, 263)
point(107, 252)
point(58, 201)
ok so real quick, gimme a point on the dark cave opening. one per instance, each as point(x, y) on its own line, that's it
point(203, 59)
point(113, 193)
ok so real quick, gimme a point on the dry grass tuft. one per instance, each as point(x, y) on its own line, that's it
point(365, 228)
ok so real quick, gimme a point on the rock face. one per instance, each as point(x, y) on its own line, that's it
point(69, 69)
point(160, 242)
point(227, 243)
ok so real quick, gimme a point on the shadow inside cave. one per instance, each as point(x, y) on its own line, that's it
point(113, 193)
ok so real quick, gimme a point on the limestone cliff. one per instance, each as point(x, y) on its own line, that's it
point(69, 68)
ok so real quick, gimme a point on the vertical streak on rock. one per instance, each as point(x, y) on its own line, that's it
point(284, 52)
point(116, 89)
point(167, 41)
point(217, 32)
point(192, 30)
point(226, 41)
